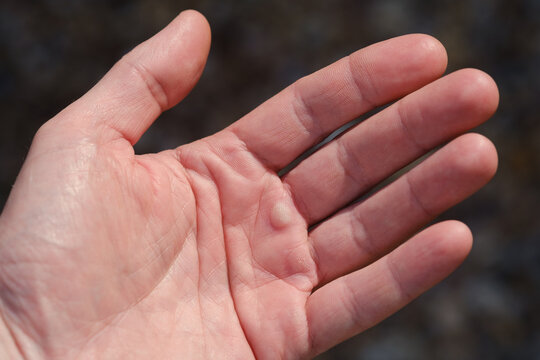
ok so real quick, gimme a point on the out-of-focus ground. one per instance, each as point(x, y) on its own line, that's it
point(52, 51)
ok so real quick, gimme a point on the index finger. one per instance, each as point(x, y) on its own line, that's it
point(299, 117)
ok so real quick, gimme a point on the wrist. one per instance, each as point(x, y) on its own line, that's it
point(9, 347)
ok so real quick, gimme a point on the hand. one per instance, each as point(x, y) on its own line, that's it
point(203, 251)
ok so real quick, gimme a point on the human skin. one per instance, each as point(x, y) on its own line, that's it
point(204, 251)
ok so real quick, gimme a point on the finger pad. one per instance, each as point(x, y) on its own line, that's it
point(431, 255)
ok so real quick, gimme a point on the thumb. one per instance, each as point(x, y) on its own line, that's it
point(153, 77)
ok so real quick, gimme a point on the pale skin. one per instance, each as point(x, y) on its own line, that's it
point(203, 251)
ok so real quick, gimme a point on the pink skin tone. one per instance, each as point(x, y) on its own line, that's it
point(203, 251)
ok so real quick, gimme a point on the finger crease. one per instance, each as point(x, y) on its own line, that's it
point(408, 133)
point(359, 86)
point(416, 199)
point(396, 278)
point(152, 84)
point(368, 243)
point(304, 113)
point(351, 166)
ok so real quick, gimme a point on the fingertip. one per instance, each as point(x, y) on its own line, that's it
point(456, 240)
point(437, 251)
point(430, 53)
point(192, 13)
point(487, 86)
point(478, 92)
point(434, 50)
point(477, 157)
point(193, 26)
point(198, 21)
point(176, 56)
point(417, 58)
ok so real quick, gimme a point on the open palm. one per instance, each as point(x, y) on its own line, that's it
point(204, 251)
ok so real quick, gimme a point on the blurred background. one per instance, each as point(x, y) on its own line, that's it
point(52, 51)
